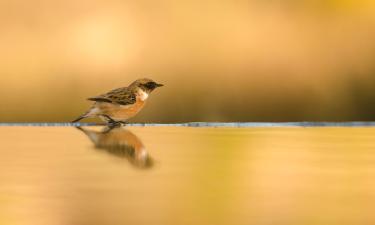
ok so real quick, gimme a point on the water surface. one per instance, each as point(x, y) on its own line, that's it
point(185, 175)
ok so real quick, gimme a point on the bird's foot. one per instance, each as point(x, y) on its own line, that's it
point(113, 124)
point(110, 122)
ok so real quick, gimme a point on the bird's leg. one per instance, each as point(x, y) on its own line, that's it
point(112, 123)
point(109, 119)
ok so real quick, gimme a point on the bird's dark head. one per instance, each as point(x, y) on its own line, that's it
point(146, 85)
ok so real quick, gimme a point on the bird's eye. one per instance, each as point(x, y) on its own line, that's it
point(150, 85)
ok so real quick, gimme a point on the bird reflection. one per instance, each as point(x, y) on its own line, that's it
point(122, 143)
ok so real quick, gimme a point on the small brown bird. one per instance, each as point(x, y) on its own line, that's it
point(118, 105)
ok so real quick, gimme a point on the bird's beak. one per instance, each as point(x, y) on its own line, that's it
point(159, 85)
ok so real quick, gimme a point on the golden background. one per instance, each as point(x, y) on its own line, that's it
point(224, 60)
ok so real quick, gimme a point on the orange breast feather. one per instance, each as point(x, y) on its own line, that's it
point(120, 112)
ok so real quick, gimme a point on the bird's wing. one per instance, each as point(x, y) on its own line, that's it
point(122, 96)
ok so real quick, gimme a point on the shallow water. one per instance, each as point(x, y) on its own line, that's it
point(184, 175)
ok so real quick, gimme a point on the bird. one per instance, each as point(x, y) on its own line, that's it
point(117, 106)
point(122, 143)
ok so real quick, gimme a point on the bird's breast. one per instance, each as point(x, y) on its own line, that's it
point(121, 112)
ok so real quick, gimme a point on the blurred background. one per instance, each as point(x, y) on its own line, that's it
point(223, 60)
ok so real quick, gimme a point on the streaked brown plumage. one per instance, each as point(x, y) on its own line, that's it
point(120, 104)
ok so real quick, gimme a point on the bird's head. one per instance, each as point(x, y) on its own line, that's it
point(146, 85)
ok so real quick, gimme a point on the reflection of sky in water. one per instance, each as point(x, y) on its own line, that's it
point(52, 175)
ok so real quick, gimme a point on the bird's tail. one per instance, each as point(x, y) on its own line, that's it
point(79, 118)
point(89, 113)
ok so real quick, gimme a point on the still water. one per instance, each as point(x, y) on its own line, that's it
point(182, 175)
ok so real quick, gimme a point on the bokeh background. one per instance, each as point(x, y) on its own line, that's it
point(223, 60)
